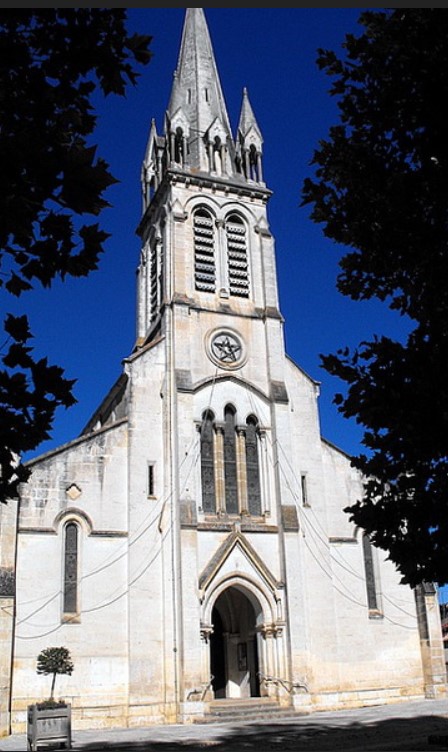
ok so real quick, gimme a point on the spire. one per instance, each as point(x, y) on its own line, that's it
point(197, 136)
point(249, 146)
point(197, 109)
point(247, 118)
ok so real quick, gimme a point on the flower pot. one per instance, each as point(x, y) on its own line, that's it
point(49, 725)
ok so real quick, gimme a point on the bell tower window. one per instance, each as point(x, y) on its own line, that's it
point(204, 252)
point(154, 277)
point(237, 262)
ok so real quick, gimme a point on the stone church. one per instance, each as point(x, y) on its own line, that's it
point(190, 547)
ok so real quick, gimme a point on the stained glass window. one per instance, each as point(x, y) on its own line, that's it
point(230, 474)
point(252, 467)
point(207, 464)
point(71, 569)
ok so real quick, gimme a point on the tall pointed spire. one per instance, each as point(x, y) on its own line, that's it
point(197, 138)
point(197, 102)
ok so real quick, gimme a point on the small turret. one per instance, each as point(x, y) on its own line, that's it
point(249, 142)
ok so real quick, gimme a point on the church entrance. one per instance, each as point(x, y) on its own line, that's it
point(234, 647)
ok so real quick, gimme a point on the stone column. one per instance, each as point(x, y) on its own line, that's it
point(198, 467)
point(223, 152)
point(221, 267)
point(241, 472)
point(269, 663)
point(264, 474)
point(206, 632)
point(211, 157)
point(220, 486)
point(431, 642)
point(259, 168)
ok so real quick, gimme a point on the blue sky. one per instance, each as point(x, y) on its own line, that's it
point(88, 326)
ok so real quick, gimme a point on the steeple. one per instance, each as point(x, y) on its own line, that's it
point(197, 133)
point(197, 101)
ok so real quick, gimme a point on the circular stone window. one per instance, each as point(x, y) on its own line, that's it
point(226, 348)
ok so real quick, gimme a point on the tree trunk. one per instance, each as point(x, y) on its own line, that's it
point(53, 682)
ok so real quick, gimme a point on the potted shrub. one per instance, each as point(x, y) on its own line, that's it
point(49, 721)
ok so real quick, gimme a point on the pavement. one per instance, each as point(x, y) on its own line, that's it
point(410, 726)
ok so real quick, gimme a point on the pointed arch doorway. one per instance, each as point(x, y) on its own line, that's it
point(234, 660)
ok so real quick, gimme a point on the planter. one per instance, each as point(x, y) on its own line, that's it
point(49, 725)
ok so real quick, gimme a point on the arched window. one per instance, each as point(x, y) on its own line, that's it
point(371, 580)
point(154, 296)
point(71, 545)
point(207, 464)
point(204, 252)
point(252, 467)
point(237, 263)
point(253, 163)
point(217, 156)
point(179, 155)
point(230, 474)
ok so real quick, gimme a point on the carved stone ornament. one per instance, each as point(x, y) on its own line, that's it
point(226, 348)
point(73, 492)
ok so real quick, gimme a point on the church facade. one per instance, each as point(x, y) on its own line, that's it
point(191, 544)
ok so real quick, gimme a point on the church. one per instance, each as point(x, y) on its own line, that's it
point(190, 547)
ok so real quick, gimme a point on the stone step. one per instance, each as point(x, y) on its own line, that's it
point(251, 709)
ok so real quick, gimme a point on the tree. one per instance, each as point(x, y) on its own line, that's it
point(54, 661)
point(52, 62)
point(380, 188)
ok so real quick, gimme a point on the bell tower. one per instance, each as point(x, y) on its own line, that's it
point(208, 315)
point(205, 238)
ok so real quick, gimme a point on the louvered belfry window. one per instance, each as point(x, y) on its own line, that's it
point(154, 282)
point(237, 262)
point(71, 569)
point(204, 252)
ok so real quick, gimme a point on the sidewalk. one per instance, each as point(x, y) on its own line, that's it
point(405, 727)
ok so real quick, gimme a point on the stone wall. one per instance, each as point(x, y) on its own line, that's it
point(8, 525)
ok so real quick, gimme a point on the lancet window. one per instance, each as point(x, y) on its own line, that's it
point(208, 464)
point(71, 554)
point(252, 467)
point(373, 600)
point(230, 472)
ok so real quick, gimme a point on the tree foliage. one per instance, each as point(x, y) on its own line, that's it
point(52, 185)
point(380, 188)
point(54, 661)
